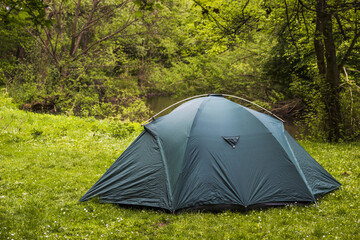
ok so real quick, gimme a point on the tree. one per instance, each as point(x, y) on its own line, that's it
point(328, 69)
point(78, 30)
point(323, 34)
point(14, 15)
point(70, 61)
point(329, 16)
point(326, 31)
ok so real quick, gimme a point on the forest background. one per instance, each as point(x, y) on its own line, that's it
point(105, 58)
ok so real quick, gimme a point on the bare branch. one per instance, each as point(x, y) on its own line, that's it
point(348, 52)
point(48, 36)
point(306, 6)
point(216, 21)
point(73, 38)
point(288, 21)
point(305, 23)
point(128, 23)
point(351, 95)
point(340, 25)
point(44, 47)
point(105, 15)
point(94, 8)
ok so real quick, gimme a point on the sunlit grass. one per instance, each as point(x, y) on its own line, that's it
point(48, 162)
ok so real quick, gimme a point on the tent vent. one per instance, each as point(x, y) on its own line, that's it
point(232, 140)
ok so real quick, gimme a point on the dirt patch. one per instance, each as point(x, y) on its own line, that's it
point(45, 105)
point(289, 109)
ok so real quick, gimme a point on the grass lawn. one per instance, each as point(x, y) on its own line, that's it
point(48, 162)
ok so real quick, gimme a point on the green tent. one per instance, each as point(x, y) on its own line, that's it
point(211, 152)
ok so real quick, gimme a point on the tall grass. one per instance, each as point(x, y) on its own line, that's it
point(48, 162)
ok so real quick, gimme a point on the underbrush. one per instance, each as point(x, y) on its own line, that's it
point(48, 162)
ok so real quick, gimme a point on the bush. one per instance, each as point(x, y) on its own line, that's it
point(121, 130)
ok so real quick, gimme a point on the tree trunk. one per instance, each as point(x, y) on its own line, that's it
point(328, 69)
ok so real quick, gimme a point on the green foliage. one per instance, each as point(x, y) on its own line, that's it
point(29, 126)
point(235, 72)
point(61, 73)
point(311, 121)
point(105, 59)
point(350, 107)
point(121, 130)
point(23, 12)
point(298, 69)
point(36, 132)
point(42, 179)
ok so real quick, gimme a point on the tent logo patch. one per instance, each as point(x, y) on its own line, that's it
point(232, 140)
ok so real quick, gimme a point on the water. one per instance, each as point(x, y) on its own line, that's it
point(156, 104)
point(159, 103)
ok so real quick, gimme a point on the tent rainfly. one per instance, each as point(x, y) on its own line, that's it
point(212, 153)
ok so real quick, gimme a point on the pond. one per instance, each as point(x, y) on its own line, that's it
point(158, 103)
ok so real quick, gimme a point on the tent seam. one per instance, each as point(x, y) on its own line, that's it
point(191, 128)
point(296, 164)
point(166, 174)
point(299, 168)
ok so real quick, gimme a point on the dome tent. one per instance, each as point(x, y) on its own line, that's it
point(211, 152)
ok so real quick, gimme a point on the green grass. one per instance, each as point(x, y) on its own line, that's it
point(48, 162)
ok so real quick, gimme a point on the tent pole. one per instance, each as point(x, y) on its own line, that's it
point(153, 117)
point(203, 95)
point(243, 99)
